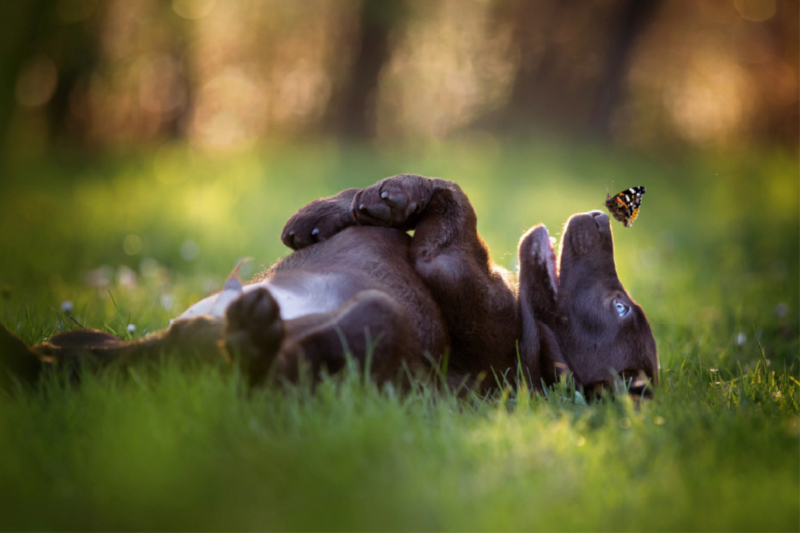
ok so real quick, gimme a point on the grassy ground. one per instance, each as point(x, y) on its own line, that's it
point(133, 239)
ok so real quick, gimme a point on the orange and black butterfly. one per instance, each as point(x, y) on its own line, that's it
point(625, 205)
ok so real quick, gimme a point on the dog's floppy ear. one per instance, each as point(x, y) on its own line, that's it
point(538, 278)
point(552, 365)
point(538, 299)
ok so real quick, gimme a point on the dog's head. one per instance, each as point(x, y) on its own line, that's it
point(600, 330)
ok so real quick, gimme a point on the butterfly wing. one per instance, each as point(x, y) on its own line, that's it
point(625, 205)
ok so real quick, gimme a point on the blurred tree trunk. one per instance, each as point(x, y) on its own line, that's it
point(779, 117)
point(573, 57)
point(20, 29)
point(632, 19)
point(29, 29)
point(536, 67)
point(352, 111)
point(538, 89)
point(76, 59)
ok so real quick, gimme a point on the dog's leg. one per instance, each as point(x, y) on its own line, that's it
point(319, 220)
point(75, 351)
point(477, 298)
point(372, 327)
point(254, 332)
point(191, 339)
point(368, 326)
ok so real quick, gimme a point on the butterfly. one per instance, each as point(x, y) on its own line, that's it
point(625, 205)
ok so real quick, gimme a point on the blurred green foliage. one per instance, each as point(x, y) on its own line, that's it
point(713, 259)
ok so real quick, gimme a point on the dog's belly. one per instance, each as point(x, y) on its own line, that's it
point(317, 294)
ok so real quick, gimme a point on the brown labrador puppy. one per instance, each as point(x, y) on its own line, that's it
point(359, 283)
point(598, 325)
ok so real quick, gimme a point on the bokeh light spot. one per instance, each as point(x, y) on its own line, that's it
point(193, 9)
point(190, 250)
point(132, 244)
point(75, 10)
point(37, 83)
point(756, 10)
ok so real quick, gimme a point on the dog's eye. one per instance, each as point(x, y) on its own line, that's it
point(621, 308)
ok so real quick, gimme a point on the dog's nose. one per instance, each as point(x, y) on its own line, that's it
point(600, 218)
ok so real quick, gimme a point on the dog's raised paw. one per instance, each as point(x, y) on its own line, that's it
point(319, 221)
point(307, 227)
point(393, 202)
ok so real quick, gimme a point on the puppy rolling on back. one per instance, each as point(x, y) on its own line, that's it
point(358, 283)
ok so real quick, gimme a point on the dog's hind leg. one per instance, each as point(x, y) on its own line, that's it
point(370, 326)
point(254, 332)
point(194, 339)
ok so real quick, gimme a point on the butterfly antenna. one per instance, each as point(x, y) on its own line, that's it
point(608, 194)
point(612, 186)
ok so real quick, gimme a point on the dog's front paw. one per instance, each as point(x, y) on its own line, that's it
point(254, 332)
point(393, 202)
point(318, 221)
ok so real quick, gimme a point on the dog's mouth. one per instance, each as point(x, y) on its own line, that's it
point(634, 383)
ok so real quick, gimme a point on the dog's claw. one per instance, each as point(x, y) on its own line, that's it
point(315, 232)
point(398, 201)
point(384, 195)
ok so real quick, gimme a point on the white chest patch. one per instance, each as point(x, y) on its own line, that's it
point(315, 295)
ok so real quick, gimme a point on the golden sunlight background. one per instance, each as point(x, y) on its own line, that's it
point(224, 74)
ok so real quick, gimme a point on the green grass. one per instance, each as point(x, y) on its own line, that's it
point(714, 259)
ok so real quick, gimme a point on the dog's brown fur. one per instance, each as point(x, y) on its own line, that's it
point(402, 298)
